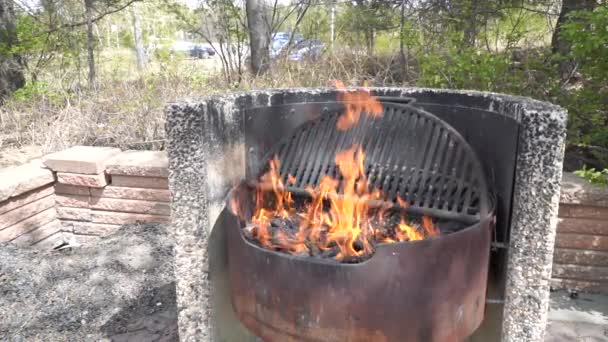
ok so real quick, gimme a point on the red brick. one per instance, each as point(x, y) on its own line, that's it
point(160, 195)
point(582, 226)
point(586, 242)
point(583, 211)
point(38, 234)
point(131, 206)
point(12, 217)
point(81, 159)
point(27, 225)
point(580, 257)
point(140, 182)
point(72, 189)
point(73, 201)
point(76, 214)
point(586, 273)
point(23, 199)
point(93, 181)
point(111, 217)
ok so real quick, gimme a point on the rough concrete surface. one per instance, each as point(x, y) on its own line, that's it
point(121, 289)
point(202, 130)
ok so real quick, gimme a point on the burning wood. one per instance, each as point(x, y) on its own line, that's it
point(282, 234)
point(337, 222)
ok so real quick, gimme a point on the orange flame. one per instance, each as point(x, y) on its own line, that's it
point(338, 213)
point(357, 101)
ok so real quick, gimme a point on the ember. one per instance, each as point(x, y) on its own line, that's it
point(337, 221)
point(282, 234)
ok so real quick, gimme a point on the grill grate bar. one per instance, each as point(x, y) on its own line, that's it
point(409, 153)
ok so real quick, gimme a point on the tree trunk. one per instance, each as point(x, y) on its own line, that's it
point(401, 39)
point(88, 11)
point(558, 44)
point(470, 33)
point(139, 44)
point(369, 40)
point(258, 36)
point(11, 65)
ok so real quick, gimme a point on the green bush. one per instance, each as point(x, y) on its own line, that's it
point(34, 91)
point(593, 176)
point(469, 69)
point(587, 99)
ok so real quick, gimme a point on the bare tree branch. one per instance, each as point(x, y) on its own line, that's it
point(93, 20)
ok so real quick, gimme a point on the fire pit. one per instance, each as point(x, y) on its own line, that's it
point(371, 214)
point(235, 287)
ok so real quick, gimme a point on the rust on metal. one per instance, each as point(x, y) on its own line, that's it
point(427, 290)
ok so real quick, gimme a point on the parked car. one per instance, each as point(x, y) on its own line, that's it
point(201, 51)
point(280, 40)
point(310, 49)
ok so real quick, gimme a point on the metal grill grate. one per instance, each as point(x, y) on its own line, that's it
point(409, 153)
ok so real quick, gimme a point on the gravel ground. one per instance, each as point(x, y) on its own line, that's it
point(120, 289)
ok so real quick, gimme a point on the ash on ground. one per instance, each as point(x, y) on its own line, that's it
point(120, 289)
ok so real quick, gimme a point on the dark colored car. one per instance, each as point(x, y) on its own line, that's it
point(280, 40)
point(310, 49)
point(201, 51)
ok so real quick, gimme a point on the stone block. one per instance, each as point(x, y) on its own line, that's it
point(72, 189)
point(582, 226)
point(51, 241)
point(90, 228)
point(81, 159)
point(17, 215)
point(131, 206)
point(38, 234)
point(17, 180)
point(583, 211)
point(579, 285)
point(140, 182)
point(585, 273)
point(578, 241)
point(139, 163)
point(110, 217)
point(27, 225)
point(23, 199)
point(580, 257)
point(73, 201)
point(93, 181)
point(76, 214)
point(159, 195)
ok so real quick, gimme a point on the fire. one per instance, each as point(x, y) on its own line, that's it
point(338, 215)
point(357, 101)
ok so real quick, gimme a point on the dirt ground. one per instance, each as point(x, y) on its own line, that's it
point(13, 156)
point(121, 289)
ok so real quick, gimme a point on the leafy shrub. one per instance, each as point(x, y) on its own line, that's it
point(33, 91)
point(469, 69)
point(593, 176)
point(587, 100)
